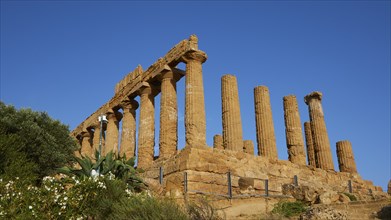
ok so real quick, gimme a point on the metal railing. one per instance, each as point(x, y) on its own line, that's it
point(230, 194)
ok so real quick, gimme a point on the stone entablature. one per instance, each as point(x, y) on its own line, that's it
point(129, 86)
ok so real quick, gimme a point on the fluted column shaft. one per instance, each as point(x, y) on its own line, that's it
point(345, 156)
point(293, 131)
point(168, 135)
point(310, 144)
point(319, 132)
point(232, 123)
point(146, 135)
point(266, 139)
point(218, 141)
point(248, 147)
point(86, 147)
point(112, 130)
point(195, 121)
point(128, 134)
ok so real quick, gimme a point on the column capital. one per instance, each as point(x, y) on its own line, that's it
point(129, 104)
point(195, 55)
point(313, 95)
point(114, 115)
point(145, 89)
point(166, 75)
point(84, 134)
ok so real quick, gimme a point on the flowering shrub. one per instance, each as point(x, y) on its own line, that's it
point(66, 198)
point(102, 197)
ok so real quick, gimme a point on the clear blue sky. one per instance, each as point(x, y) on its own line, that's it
point(65, 57)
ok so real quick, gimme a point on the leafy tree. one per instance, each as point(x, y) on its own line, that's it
point(32, 142)
point(13, 161)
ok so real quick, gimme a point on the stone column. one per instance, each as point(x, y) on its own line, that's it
point(310, 144)
point(195, 122)
point(146, 135)
point(319, 132)
point(218, 141)
point(266, 139)
point(248, 147)
point(86, 147)
point(168, 135)
point(294, 134)
point(345, 157)
point(128, 134)
point(78, 140)
point(232, 123)
point(112, 130)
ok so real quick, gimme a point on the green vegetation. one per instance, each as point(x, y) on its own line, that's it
point(109, 164)
point(72, 198)
point(289, 209)
point(32, 145)
point(202, 209)
point(351, 196)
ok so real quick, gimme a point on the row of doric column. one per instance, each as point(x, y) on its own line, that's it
point(318, 146)
point(195, 123)
point(317, 141)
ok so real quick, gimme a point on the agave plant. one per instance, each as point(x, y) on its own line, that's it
point(120, 167)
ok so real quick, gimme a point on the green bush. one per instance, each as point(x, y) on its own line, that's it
point(351, 196)
point(289, 209)
point(202, 209)
point(102, 197)
point(56, 199)
point(145, 207)
point(32, 145)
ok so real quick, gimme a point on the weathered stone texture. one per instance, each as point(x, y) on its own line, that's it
point(86, 144)
point(168, 136)
point(112, 130)
point(232, 123)
point(293, 131)
point(266, 139)
point(207, 172)
point(345, 156)
point(195, 119)
point(319, 132)
point(146, 135)
point(218, 141)
point(310, 144)
point(248, 147)
point(128, 134)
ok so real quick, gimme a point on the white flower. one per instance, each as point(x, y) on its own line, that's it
point(94, 174)
point(30, 207)
point(65, 198)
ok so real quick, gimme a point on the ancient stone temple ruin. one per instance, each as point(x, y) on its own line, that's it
point(229, 169)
